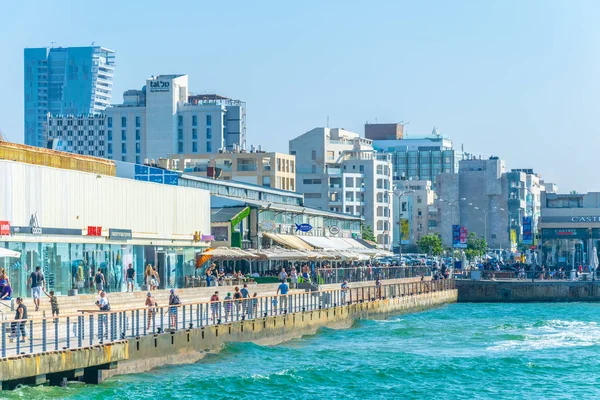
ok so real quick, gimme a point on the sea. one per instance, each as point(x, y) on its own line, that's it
point(458, 351)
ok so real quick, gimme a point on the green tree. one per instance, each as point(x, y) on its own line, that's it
point(431, 244)
point(367, 233)
point(476, 247)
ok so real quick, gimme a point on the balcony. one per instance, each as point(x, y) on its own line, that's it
point(334, 171)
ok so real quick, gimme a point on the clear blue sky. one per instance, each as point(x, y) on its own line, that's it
point(517, 79)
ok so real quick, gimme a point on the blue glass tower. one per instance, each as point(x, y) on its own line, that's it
point(65, 81)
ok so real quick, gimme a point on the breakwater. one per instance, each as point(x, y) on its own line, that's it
point(527, 291)
point(129, 348)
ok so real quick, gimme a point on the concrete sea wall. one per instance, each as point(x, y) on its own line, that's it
point(188, 346)
point(526, 291)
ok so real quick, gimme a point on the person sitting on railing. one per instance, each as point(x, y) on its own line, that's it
point(21, 317)
point(6, 290)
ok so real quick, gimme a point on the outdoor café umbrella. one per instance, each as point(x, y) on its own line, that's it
point(594, 260)
point(9, 253)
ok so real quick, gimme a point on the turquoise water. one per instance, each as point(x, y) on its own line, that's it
point(460, 351)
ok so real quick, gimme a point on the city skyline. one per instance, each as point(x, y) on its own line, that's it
point(351, 63)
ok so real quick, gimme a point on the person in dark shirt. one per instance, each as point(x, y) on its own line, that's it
point(130, 277)
point(21, 317)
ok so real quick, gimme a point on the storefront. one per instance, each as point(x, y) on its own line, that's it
point(71, 223)
point(568, 247)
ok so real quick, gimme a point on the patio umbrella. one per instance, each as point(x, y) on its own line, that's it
point(9, 253)
point(464, 260)
point(594, 259)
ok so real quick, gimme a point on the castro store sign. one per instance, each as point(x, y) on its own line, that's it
point(4, 228)
point(160, 86)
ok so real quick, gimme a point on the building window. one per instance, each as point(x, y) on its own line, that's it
point(194, 147)
point(208, 120)
point(138, 159)
point(138, 122)
point(123, 148)
point(123, 158)
point(266, 181)
point(123, 122)
point(314, 155)
point(208, 147)
point(350, 182)
point(123, 134)
point(180, 120)
point(208, 133)
point(312, 195)
point(110, 148)
point(138, 135)
point(109, 122)
point(195, 133)
point(138, 148)
point(180, 133)
point(194, 120)
point(180, 147)
point(108, 133)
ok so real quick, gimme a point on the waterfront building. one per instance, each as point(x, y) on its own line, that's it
point(95, 221)
point(414, 215)
point(64, 81)
point(490, 202)
point(415, 158)
point(569, 229)
point(80, 134)
point(163, 119)
point(268, 169)
point(339, 171)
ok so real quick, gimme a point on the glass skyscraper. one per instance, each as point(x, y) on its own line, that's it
point(65, 81)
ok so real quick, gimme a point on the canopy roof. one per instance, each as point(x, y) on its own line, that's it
point(229, 252)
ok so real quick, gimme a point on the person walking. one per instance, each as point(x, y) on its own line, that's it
point(174, 302)
point(283, 275)
point(151, 304)
point(245, 295)
point(100, 281)
point(155, 278)
point(130, 275)
point(294, 277)
point(148, 275)
point(20, 321)
point(282, 290)
point(53, 302)
point(36, 283)
point(214, 306)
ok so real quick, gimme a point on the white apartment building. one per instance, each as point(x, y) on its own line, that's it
point(413, 207)
point(339, 171)
point(164, 119)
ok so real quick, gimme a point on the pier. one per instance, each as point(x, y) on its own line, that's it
point(92, 346)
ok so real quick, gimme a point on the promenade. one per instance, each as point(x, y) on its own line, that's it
point(78, 346)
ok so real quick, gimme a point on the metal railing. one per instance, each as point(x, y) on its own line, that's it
point(31, 336)
point(326, 276)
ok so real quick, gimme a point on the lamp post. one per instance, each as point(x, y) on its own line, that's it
point(399, 196)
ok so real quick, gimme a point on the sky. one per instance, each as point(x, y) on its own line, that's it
point(514, 79)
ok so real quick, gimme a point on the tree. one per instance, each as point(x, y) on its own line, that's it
point(431, 244)
point(367, 233)
point(476, 247)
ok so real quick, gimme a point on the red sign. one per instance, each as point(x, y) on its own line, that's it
point(4, 228)
point(94, 231)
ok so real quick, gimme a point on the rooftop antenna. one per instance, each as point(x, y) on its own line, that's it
point(93, 43)
point(52, 44)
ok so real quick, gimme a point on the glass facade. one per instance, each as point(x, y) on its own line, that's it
point(73, 265)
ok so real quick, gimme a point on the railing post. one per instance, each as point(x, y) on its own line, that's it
point(184, 319)
point(68, 336)
point(31, 336)
point(79, 331)
point(56, 334)
point(3, 339)
point(91, 329)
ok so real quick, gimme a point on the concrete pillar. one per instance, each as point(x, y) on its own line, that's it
point(29, 381)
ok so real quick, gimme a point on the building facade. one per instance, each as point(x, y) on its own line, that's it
point(80, 134)
point(97, 221)
point(414, 215)
point(163, 119)
point(276, 170)
point(339, 171)
point(569, 230)
point(65, 81)
point(419, 158)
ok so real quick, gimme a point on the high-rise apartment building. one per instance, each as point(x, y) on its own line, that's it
point(339, 171)
point(163, 119)
point(65, 81)
point(81, 134)
point(415, 158)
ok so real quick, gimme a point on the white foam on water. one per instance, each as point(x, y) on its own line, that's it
point(552, 334)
